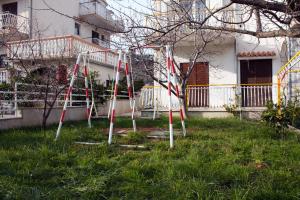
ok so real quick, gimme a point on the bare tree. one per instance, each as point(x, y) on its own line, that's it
point(174, 28)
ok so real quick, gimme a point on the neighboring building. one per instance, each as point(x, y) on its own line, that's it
point(56, 31)
point(233, 65)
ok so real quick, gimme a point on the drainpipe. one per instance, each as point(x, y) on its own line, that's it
point(30, 19)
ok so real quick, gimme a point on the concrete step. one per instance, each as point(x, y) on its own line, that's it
point(148, 114)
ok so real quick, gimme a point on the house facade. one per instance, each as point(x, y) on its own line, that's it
point(235, 69)
point(35, 31)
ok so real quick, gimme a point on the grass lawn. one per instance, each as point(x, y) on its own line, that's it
point(219, 159)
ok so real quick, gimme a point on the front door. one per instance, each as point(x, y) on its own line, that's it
point(256, 80)
point(198, 85)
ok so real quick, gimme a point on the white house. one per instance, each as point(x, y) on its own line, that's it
point(236, 69)
point(52, 29)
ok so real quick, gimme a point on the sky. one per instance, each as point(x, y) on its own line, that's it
point(128, 6)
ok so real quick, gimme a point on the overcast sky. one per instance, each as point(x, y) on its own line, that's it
point(128, 6)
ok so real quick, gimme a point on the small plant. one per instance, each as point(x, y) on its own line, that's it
point(234, 106)
point(277, 117)
point(135, 138)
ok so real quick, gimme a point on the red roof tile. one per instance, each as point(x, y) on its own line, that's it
point(256, 54)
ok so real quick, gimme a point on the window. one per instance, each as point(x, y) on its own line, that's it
point(102, 37)
point(95, 37)
point(77, 28)
point(107, 83)
point(199, 13)
point(186, 5)
point(11, 8)
point(3, 77)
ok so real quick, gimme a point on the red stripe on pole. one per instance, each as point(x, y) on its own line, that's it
point(126, 68)
point(130, 92)
point(119, 65)
point(116, 90)
point(68, 93)
point(169, 88)
point(76, 67)
point(85, 71)
point(181, 115)
point(87, 93)
point(112, 119)
point(177, 90)
point(173, 66)
point(169, 63)
point(88, 112)
point(62, 117)
point(171, 117)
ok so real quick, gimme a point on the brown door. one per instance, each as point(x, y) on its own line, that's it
point(256, 80)
point(11, 8)
point(198, 85)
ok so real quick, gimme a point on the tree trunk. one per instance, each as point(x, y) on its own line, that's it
point(184, 101)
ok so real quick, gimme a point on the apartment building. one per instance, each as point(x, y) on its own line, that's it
point(52, 30)
point(235, 67)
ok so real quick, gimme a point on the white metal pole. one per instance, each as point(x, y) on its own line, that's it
point(178, 93)
point(111, 96)
point(86, 83)
point(133, 92)
point(93, 106)
point(16, 99)
point(170, 97)
point(62, 117)
point(130, 91)
point(113, 112)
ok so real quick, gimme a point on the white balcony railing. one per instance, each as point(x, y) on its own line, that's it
point(59, 47)
point(100, 9)
point(102, 43)
point(213, 96)
point(16, 22)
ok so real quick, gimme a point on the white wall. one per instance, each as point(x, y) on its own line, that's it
point(33, 116)
point(222, 70)
point(104, 72)
point(249, 43)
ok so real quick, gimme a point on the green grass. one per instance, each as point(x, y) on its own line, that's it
point(219, 159)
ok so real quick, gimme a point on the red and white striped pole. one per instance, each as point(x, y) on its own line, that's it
point(113, 113)
point(170, 96)
point(130, 91)
point(86, 82)
point(67, 97)
point(177, 93)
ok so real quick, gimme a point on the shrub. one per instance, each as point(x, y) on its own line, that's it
point(277, 117)
point(135, 138)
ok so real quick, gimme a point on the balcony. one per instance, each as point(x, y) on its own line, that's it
point(96, 13)
point(185, 33)
point(13, 26)
point(102, 43)
point(59, 48)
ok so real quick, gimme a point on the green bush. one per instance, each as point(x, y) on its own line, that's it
point(277, 117)
point(135, 138)
point(6, 87)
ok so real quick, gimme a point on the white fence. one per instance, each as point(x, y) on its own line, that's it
point(211, 96)
point(29, 95)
